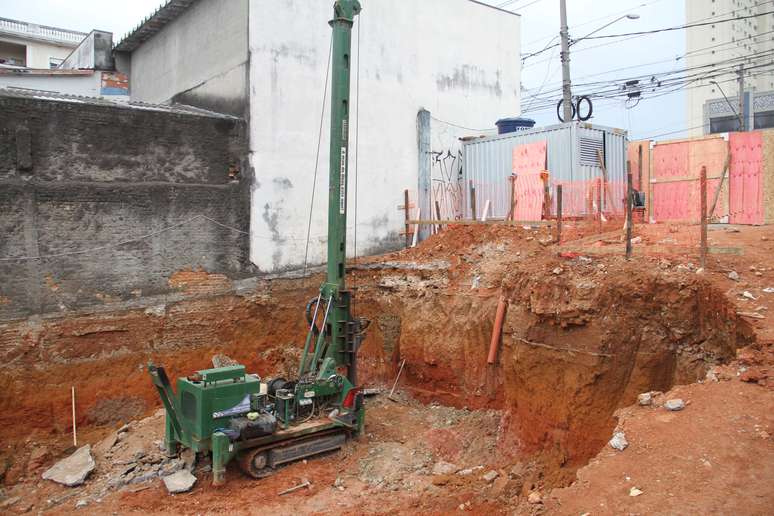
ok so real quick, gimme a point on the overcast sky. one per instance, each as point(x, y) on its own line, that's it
point(540, 23)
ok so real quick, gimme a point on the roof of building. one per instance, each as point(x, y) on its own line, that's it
point(153, 24)
point(52, 96)
point(26, 30)
point(174, 8)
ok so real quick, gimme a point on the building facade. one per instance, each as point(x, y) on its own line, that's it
point(28, 45)
point(736, 39)
point(266, 61)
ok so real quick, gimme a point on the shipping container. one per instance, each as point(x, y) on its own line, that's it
point(572, 161)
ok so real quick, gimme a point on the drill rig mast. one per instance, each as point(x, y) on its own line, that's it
point(266, 424)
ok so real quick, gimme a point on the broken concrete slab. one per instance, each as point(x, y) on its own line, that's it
point(73, 470)
point(180, 482)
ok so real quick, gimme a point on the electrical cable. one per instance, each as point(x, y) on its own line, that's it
point(632, 35)
point(461, 126)
point(317, 158)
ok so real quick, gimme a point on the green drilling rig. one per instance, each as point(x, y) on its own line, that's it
point(265, 424)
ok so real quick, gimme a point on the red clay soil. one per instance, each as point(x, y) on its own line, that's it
point(586, 331)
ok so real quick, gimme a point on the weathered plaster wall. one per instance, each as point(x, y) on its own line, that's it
point(112, 199)
point(458, 59)
point(199, 59)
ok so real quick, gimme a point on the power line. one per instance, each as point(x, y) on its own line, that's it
point(664, 79)
point(681, 27)
point(631, 35)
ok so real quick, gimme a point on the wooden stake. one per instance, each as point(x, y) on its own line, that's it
point(438, 215)
point(75, 434)
point(407, 215)
point(392, 391)
point(473, 200)
point(559, 214)
point(629, 218)
point(512, 208)
point(599, 204)
point(720, 186)
point(703, 194)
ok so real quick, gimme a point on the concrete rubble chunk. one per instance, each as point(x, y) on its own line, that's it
point(535, 498)
point(73, 470)
point(444, 468)
point(490, 476)
point(619, 441)
point(188, 456)
point(674, 405)
point(180, 482)
point(106, 444)
point(634, 491)
point(645, 399)
point(733, 276)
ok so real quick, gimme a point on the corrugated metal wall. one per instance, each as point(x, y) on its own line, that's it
point(571, 156)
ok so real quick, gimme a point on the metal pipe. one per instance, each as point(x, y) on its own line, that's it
point(309, 336)
point(320, 338)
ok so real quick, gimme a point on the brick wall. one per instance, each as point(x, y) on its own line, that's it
point(113, 199)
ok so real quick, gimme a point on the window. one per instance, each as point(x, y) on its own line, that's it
point(763, 120)
point(54, 62)
point(724, 124)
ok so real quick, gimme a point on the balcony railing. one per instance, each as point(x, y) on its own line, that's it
point(41, 31)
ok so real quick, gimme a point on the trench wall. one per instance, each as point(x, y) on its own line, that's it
point(102, 204)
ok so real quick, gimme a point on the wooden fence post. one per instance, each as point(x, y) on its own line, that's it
point(629, 218)
point(473, 200)
point(407, 216)
point(703, 184)
point(559, 214)
point(599, 204)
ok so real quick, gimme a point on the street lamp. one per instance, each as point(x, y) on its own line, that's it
point(624, 17)
point(565, 35)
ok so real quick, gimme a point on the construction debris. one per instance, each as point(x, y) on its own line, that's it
point(179, 482)
point(73, 470)
point(619, 441)
point(293, 489)
point(674, 405)
point(645, 399)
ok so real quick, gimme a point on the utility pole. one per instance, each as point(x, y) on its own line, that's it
point(566, 82)
point(742, 119)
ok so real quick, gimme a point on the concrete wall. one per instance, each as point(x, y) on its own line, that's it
point(87, 83)
point(198, 59)
point(458, 59)
point(111, 199)
point(95, 52)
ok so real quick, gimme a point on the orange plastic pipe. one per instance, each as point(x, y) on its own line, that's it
point(497, 330)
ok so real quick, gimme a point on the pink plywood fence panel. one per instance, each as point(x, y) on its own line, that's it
point(675, 178)
point(746, 178)
point(528, 192)
point(529, 161)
